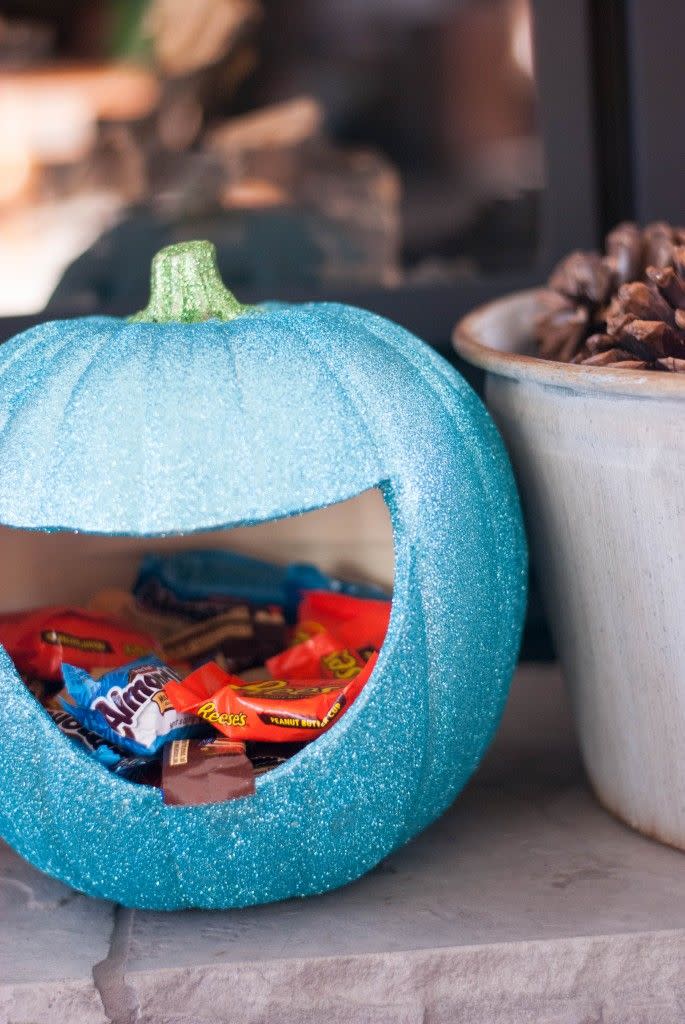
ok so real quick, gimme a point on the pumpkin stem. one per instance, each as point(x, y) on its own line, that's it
point(186, 287)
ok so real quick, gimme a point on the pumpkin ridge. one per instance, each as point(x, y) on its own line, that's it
point(17, 348)
point(425, 775)
point(447, 375)
point(516, 537)
point(17, 353)
point(444, 379)
point(423, 625)
point(514, 534)
point(67, 397)
point(55, 421)
point(320, 350)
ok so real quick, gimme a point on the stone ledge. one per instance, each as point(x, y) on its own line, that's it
point(635, 979)
point(525, 904)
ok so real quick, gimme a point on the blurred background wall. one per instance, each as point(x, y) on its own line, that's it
point(370, 144)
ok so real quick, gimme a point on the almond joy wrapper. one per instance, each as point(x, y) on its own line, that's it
point(128, 707)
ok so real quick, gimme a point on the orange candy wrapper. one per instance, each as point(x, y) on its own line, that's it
point(354, 621)
point(272, 711)
point(320, 657)
point(38, 641)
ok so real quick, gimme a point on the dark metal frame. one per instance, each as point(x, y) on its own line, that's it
point(655, 31)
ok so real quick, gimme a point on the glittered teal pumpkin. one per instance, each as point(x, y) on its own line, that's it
point(200, 413)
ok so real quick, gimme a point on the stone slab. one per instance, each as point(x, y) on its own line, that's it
point(634, 979)
point(526, 903)
point(50, 937)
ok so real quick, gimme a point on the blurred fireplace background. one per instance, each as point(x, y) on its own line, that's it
point(413, 156)
point(324, 147)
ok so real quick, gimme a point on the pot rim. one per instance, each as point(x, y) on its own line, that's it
point(515, 314)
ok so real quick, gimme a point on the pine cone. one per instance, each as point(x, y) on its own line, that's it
point(625, 308)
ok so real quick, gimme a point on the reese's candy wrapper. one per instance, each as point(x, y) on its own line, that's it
point(128, 706)
point(321, 657)
point(206, 771)
point(39, 641)
point(354, 621)
point(303, 631)
point(275, 710)
point(238, 639)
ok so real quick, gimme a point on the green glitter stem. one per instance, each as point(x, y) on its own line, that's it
point(186, 287)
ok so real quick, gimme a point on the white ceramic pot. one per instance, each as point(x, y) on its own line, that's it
point(600, 459)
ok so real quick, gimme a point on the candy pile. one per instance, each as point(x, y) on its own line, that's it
point(215, 669)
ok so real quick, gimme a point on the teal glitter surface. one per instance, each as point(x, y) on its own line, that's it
point(145, 428)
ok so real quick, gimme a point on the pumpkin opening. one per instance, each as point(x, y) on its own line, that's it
point(352, 540)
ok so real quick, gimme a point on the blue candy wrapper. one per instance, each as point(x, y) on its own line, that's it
point(206, 575)
point(127, 707)
point(94, 744)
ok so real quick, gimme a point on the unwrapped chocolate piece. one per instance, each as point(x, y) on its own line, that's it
point(206, 771)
